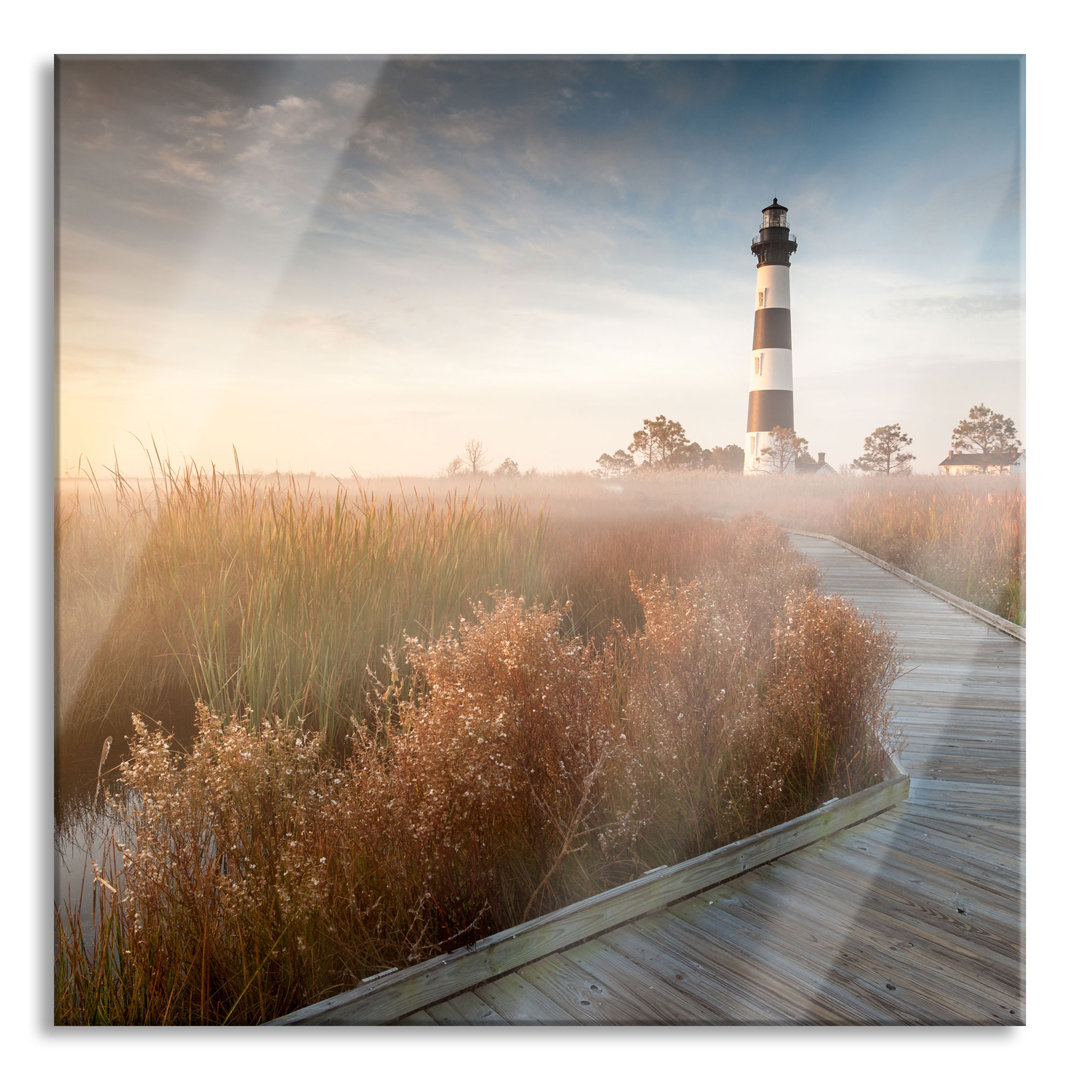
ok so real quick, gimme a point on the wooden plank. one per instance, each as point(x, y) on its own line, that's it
point(820, 988)
point(519, 1002)
point(873, 927)
point(418, 1019)
point(654, 999)
point(679, 967)
point(972, 943)
point(996, 621)
point(818, 973)
point(465, 1009)
point(714, 973)
point(785, 981)
point(588, 999)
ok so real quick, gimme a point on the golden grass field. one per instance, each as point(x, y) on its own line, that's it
point(374, 721)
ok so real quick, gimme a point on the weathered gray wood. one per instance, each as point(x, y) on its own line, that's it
point(583, 997)
point(653, 999)
point(465, 1010)
point(519, 1002)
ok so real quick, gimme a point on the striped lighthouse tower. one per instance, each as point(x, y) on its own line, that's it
point(771, 399)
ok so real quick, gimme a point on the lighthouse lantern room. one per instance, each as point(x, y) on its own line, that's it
point(771, 398)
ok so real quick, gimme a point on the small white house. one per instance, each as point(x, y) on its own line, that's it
point(957, 464)
point(815, 468)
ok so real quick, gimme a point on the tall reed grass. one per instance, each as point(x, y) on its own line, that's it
point(968, 536)
point(215, 587)
point(268, 595)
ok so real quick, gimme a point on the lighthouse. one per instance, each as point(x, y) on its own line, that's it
point(771, 399)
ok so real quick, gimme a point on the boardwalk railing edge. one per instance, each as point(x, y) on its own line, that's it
point(996, 621)
point(400, 992)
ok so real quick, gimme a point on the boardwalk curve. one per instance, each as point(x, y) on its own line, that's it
point(892, 910)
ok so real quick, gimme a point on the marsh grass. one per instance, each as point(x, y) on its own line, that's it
point(969, 538)
point(247, 595)
point(966, 534)
point(272, 596)
point(506, 759)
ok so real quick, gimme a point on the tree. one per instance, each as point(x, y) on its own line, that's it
point(614, 465)
point(508, 468)
point(728, 458)
point(690, 456)
point(659, 442)
point(455, 468)
point(784, 450)
point(475, 455)
point(985, 432)
point(883, 451)
point(662, 444)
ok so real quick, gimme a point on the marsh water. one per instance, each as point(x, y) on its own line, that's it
point(81, 839)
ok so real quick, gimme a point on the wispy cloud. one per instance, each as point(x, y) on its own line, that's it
point(1003, 301)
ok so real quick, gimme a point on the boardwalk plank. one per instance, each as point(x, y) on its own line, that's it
point(658, 1000)
point(518, 1001)
point(872, 932)
point(588, 999)
point(465, 1009)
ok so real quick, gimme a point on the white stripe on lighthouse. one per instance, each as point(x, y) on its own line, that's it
point(775, 281)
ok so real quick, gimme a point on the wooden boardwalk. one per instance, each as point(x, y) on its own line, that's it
point(914, 916)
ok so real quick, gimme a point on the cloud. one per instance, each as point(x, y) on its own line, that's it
point(350, 93)
point(963, 305)
point(181, 164)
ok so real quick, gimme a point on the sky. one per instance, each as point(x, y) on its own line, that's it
point(340, 265)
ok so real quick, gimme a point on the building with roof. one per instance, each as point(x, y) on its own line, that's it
point(957, 464)
point(806, 466)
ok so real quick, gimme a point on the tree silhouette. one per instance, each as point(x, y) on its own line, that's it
point(659, 442)
point(883, 451)
point(475, 455)
point(985, 432)
point(614, 465)
point(785, 449)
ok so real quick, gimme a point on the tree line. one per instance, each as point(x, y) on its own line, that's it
point(662, 444)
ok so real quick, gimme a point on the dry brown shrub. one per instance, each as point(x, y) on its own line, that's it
point(499, 772)
point(751, 699)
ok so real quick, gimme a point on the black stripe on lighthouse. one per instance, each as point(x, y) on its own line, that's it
point(770, 409)
point(772, 329)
